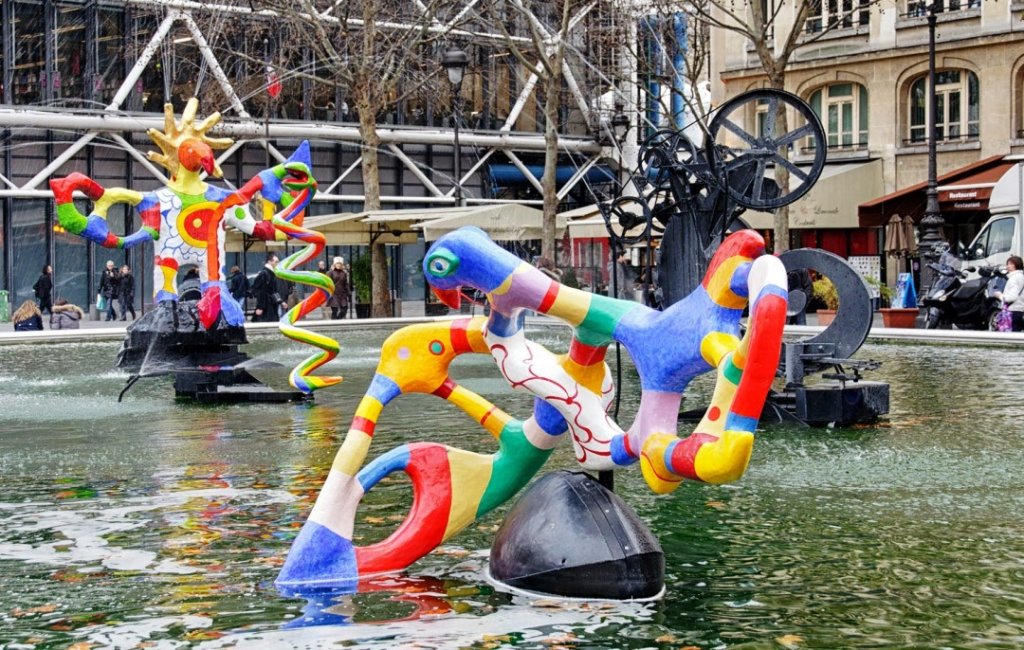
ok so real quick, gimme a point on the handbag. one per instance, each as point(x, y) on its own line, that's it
point(101, 302)
point(1004, 321)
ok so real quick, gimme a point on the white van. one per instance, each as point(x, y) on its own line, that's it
point(1001, 236)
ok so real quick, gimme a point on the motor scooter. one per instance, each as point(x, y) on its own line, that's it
point(955, 300)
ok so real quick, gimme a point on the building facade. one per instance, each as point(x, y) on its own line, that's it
point(863, 68)
point(83, 79)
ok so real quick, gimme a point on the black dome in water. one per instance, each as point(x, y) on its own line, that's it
point(569, 536)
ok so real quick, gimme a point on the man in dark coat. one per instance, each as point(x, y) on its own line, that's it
point(126, 292)
point(108, 288)
point(238, 285)
point(264, 290)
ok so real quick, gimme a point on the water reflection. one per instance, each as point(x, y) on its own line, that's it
point(155, 522)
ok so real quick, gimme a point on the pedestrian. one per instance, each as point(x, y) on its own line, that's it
point(1011, 293)
point(65, 316)
point(342, 294)
point(800, 280)
point(27, 317)
point(126, 292)
point(190, 289)
point(44, 290)
point(625, 278)
point(108, 288)
point(264, 289)
point(548, 268)
point(238, 285)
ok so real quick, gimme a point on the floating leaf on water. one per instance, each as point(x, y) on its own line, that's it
point(666, 638)
point(373, 520)
point(81, 645)
point(561, 640)
point(789, 641)
point(717, 505)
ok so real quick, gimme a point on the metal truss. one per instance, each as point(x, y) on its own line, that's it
point(111, 123)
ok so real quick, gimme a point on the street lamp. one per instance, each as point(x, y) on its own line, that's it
point(454, 62)
point(620, 124)
point(932, 222)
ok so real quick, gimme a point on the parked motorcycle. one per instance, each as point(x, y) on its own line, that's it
point(955, 300)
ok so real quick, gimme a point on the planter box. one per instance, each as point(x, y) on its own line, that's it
point(899, 317)
point(826, 316)
point(363, 310)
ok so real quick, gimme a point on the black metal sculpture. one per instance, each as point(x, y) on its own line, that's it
point(693, 195)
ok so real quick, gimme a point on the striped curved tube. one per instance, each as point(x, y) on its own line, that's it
point(669, 348)
point(287, 222)
point(451, 487)
point(94, 227)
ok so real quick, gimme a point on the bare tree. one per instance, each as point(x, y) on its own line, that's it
point(379, 52)
point(776, 30)
point(543, 56)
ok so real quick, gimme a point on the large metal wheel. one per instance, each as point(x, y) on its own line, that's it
point(628, 220)
point(748, 161)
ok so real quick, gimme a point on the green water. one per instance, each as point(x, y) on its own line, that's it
point(163, 524)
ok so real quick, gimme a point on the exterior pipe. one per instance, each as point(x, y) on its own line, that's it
point(678, 70)
point(650, 27)
point(252, 130)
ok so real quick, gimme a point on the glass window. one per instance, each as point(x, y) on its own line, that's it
point(69, 44)
point(843, 109)
point(978, 246)
point(3, 267)
point(918, 8)
point(28, 71)
point(836, 14)
point(957, 106)
point(151, 88)
point(71, 265)
point(110, 54)
point(1000, 240)
point(28, 245)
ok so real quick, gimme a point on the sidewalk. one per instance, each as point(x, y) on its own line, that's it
point(413, 312)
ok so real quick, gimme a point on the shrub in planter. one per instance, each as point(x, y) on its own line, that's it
point(361, 282)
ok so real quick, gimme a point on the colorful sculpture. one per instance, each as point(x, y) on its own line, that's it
point(453, 487)
point(187, 217)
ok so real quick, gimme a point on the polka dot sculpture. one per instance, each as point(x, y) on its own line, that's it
point(453, 487)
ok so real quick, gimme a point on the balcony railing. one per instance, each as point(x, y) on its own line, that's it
point(921, 141)
point(919, 8)
point(834, 148)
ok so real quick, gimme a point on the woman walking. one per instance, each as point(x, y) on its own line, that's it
point(1013, 293)
point(340, 299)
point(44, 290)
point(126, 292)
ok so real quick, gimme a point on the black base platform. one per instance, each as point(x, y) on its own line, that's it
point(227, 386)
point(569, 536)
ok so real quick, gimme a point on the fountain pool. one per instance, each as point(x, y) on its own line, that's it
point(152, 523)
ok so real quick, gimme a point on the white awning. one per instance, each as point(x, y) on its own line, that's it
point(503, 222)
point(833, 201)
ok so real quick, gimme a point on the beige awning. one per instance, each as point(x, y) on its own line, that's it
point(339, 229)
point(833, 201)
point(503, 222)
